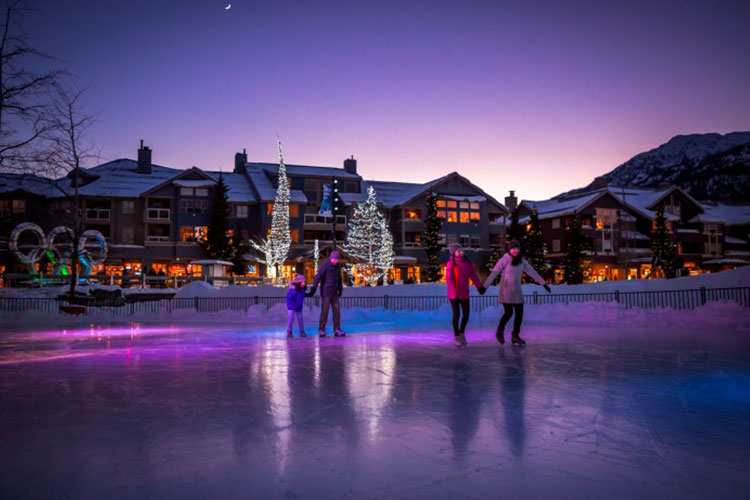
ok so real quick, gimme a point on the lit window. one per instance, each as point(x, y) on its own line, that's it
point(464, 217)
point(474, 205)
point(441, 214)
point(19, 206)
point(186, 234)
point(451, 204)
point(452, 217)
point(293, 210)
point(294, 233)
point(474, 215)
point(412, 214)
point(441, 203)
point(464, 205)
point(270, 208)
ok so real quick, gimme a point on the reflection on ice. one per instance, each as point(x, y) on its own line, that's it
point(188, 412)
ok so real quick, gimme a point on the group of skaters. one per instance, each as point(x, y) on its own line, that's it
point(459, 273)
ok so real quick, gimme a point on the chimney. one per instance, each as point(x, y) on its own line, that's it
point(600, 182)
point(144, 159)
point(350, 165)
point(239, 162)
point(511, 201)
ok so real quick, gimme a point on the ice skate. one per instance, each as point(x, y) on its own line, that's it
point(461, 340)
point(500, 336)
point(517, 340)
point(457, 340)
point(289, 334)
point(321, 333)
point(339, 333)
point(303, 335)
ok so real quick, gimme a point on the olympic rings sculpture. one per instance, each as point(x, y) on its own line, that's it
point(59, 253)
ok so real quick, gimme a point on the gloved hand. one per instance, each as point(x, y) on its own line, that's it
point(482, 290)
point(312, 292)
point(341, 290)
point(546, 287)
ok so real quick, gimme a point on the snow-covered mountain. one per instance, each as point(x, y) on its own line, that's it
point(708, 166)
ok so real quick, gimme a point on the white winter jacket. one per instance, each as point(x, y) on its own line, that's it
point(510, 281)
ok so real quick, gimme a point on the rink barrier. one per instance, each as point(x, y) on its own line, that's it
point(675, 299)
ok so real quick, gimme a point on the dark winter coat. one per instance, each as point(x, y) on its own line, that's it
point(457, 277)
point(295, 298)
point(329, 278)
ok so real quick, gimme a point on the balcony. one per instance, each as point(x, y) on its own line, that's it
point(97, 214)
point(156, 215)
point(411, 244)
point(157, 239)
point(323, 222)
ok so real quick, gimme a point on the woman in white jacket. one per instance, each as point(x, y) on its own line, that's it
point(511, 266)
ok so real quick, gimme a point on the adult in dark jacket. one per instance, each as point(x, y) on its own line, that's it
point(331, 288)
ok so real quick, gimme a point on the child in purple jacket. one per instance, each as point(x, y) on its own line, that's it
point(295, 298)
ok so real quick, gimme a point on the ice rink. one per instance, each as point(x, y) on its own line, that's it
point(225, 412)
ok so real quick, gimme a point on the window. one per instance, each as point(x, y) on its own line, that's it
point(475, 241)
point(19, 206)
point(442, 240)
point(452, 217)
point(186, 191)
point(555, 223)
point(465, 241)
point(5, 208)
point(128, 206)
point(193, 234)
point(440, 203)
point(201, 192)
point(128, 235)
point(474, 215)
point(193, 206)
point(474, 205)
point(606, 218)
point(451, 204)
point(464, 217)
point(294, 233)
point(293, 210)
point(270, 208)
point(412, 214)
point(441, 214)
point(556, 243)
point(464, 205)
point(240, 211)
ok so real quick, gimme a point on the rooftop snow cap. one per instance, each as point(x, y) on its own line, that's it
point(334, 255)
point(514, 244)
point(454, 247)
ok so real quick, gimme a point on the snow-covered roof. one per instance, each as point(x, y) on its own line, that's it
point(392, 194)
point(732, 214)
point(305, 170)
point(239, 188)
point(25, 182)
point(557, 207)
point(259, 176)
point(735, 241)
point(194, 183)
point(119, 179)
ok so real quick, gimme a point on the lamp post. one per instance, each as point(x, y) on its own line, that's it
point(334, 208)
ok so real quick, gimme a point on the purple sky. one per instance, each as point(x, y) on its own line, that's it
point(539, 97)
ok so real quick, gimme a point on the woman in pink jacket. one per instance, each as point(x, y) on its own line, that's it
point(458, 272)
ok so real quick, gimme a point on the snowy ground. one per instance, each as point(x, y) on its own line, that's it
point(609, 409)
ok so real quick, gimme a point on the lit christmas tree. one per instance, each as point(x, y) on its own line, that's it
point(385, 252)
point(663, 247)
point(533, 245)
point(217, 238)
point(363, 239)
point(432, 225)
point(575, 245)
point(276, 247)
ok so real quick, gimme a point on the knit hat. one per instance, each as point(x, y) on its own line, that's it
point(454, 247)
point(298, 278)
point(334, 255)
point(514, 244)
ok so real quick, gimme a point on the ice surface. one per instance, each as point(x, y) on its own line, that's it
point(190, 411)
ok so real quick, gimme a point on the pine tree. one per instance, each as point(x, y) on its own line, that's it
point(239, 268)
point(663, 247)
point(432, 225)
point(217, 239)
point(363, 238)
point(281, 238)
point(575, 245)
point(385, 252)
point(533, 245)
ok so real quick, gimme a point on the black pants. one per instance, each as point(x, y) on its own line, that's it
point(464, 304)
point(509, 308)
point(326, 304)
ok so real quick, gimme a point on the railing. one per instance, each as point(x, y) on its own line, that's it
point(157, 239)
point(677, 299)
point(324, 219)
point(157, 214)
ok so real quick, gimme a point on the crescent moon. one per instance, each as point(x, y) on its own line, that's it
point(228, 7)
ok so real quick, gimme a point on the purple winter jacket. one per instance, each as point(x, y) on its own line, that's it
point(294, 299)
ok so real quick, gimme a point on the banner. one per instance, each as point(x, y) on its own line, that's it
point(327, 202)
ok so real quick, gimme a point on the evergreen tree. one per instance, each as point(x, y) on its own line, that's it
point(281, 238)
point(663, 247)
point(385, 252)
point(217, 239)
point(239, 268)
point(575, 245)
point(363, 239)
point(432, 225)
point(533, 245)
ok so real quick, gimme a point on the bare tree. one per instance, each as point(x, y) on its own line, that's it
point(24, 94)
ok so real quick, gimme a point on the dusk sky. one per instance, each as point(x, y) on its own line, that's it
point(539, 97)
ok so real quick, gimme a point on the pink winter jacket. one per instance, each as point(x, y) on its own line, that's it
point(465, 271)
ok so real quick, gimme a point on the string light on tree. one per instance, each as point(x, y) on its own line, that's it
point(432, 225)
point(364, 238)
point(663, 247)
point(385, 252)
